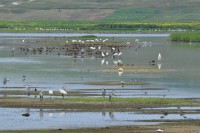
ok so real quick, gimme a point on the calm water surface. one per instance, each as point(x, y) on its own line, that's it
point(179, 78)
point(55, 119)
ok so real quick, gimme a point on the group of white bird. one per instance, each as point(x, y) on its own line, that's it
point(88, 41)
point(63, 91)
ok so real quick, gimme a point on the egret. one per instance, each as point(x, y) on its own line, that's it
point(82, 51)
point(113, 48)
point(159, 57)
point(92, 48)
point(120, 53)
point(63, 92)
point(50, 93)
point(115, 54)
point(5, 80)
point(102, 54)
point(102, 62)
point(27, 89)
point(122, 83)
point(41, 95)
point(136, 40)
point(159, 130)
point(120, 69)
point(99, 48)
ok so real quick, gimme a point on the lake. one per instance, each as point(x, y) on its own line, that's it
point(179, 76)
point(176, 75)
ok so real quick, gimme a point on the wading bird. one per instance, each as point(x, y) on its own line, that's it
point(5, 80)
point(63, 92)
point(50, 93)
point(122, 83)
point(159, 57)
point(28, 90)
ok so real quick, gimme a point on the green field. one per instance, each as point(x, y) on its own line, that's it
point(92, 26)
point(186, 37)
point(101, 10)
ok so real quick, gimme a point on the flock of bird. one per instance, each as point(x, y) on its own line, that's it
point(97, 48)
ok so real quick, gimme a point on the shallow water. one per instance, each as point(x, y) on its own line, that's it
point(179, 78)
point(12, 118)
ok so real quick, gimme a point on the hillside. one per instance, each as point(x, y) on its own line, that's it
point(101, 10)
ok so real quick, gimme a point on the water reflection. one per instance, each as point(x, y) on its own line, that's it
point(159, 65)
point(52, 71)
point(58, 118)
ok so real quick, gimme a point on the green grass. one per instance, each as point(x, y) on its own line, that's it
point(94, 27)
point(146, 101)
point(186, 37)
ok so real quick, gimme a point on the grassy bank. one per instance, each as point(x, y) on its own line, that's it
point(186, 37)
point(94, 26)
point(93, 103)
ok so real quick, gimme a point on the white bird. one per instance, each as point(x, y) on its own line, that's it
point(102, 62)
point(159, 130)
point(159, 57)
point(122, 83)
point(99, 48)
point(120, 69)
point(28, 89)
point(82, 51)
point(113, 48)
point(120, 53)
point(119, 62)
point(136, 40)
point(92, 48)
point(50, 93)
point(63, 92)
point(115, 54)
point(107, 53)
point(5, 80)
point(102, 54)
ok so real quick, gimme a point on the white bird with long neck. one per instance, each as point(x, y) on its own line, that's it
point(63, 92)
point(50, 93)
point(159, 57)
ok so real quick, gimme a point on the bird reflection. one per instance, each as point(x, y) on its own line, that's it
point(103, 113)
point(111, 115)
point(27, 113)
point(120, 73)
point(50, 114)
point(41, 113)
point(159, 66)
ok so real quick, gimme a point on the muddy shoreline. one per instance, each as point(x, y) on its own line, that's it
point(183, 126)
